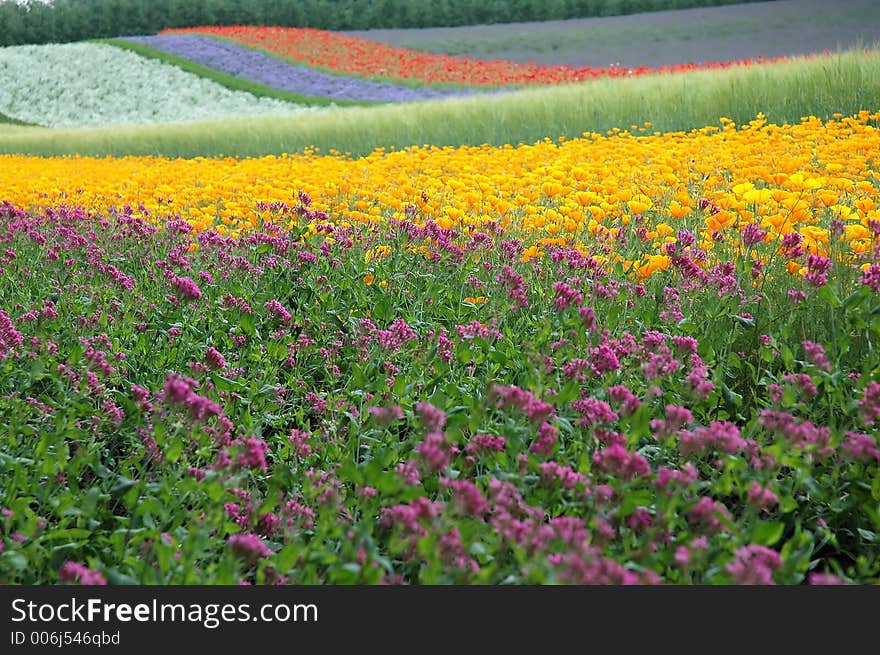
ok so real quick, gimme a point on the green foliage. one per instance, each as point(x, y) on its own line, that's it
point(846, 82)
point(76, 20)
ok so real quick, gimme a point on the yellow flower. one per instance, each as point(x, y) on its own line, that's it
point(653, 264)
point(572, 193)
point(531, 253)
point(677, 210)
point(377, 254)
point(368, 278)
point(639, 204)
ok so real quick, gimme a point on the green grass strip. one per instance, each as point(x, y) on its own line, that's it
point(229, 81)
point(844, 82)
point(8, 120)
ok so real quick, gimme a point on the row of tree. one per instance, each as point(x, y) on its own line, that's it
point(74, 20)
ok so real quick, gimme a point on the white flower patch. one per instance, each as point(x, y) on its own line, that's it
point(89, 84)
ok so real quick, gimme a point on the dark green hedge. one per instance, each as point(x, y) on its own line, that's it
point(74, 20)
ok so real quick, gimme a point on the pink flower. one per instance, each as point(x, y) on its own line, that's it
point(817, 270)
point(627, 400)
point(753, 234)
point(566, 296)
point(186, 287)
point(566, 476)
point(682, 478)
point(545, 439)
point(76, 573)
point(707, 513)
point(616, 460)
point(215, 358)
point(178, 390)
point(253, 454)
point(754, 565)
point(386, 415)
point(512, 396)
point(410, 517)
point(431, 417)
point(483, 443)
point(367, 492)
point(682, 556)
point(816, 354)
point(10, 338)
point(861, 447)
point(685, 345)
point(603, 359)
point(761, 497)
point(588, 316)
point(434, 451)
point(676, 417)
point(466, 497)
point(398, 333)
point(721, 435)
point(802, 434)
point(869, 404)
point(593, 411)
point(871, 278)
point(248, 547)
point(278, 310)
point(409, 471)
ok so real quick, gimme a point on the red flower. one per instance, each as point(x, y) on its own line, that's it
point(360, 57)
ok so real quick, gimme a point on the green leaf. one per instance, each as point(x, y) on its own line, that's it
point(225, 384)
point(122, 485)
point(13, 560)
point(730, 396)
point(867, 535)
point(174, 450)
point(856, 297)
point(826, 294)
point(767, 533)
point(568, 393)
point(246, 321)
point(69, 533)
point(114, 577)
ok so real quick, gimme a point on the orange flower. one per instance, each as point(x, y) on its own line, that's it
point(530, 253)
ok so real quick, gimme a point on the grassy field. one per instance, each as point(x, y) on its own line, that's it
point(783, 27)
point(844, 82)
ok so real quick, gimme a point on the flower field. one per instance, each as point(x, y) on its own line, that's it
point(255, 66)
point(625, 358)
point(214, 73)
point(359, 57)
point(81, 84)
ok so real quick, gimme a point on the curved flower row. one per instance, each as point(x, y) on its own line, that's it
point(80, 84)
point(815, 179)
point(276, 73)
point(356, 56)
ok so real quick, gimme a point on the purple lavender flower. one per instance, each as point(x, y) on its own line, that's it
point(276, 73)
